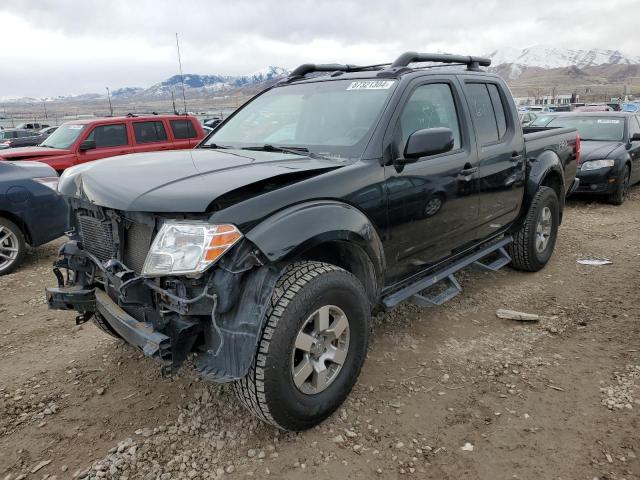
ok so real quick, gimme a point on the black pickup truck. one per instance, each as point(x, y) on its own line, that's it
point(339, 189)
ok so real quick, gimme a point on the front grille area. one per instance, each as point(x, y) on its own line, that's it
point(96, 230)
point(97, 237)
point(137, 243)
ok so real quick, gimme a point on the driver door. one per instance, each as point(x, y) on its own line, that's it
point(432, 202)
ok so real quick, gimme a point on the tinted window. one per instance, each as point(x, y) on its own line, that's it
point(634, 126)
point(430, 106)
point(482, 111)
point(183, 129)
point(109, 135)
point(146, 132)
point(498, 109)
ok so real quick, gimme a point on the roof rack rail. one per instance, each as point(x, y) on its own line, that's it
point(306, 68)
point(472, 63)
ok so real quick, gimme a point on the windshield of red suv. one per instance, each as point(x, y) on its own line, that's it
point(331, 118)
point(63, 137)
point(608, 129)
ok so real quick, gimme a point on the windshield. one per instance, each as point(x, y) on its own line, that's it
point(609, 129)
point(63, 137)
point(6, 135)
point(334, 118)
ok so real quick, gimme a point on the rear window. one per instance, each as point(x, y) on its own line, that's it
point(183, 129)
point(484, 117)
point(147, 132)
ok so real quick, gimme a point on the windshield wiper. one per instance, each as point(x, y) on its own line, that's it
point(215, 145)
point(273, 148)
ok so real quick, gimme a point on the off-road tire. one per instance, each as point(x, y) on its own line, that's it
point(103, 325)
point(622, 187)
point(268, 390)
point(523, 252)
point(22, 247)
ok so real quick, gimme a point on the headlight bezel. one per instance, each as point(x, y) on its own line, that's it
point(591, 165)
point(178, 250)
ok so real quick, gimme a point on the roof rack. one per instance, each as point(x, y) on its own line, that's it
point(306, 68)
point(472, 63)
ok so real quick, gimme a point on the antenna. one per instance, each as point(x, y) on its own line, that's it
point(184, 98)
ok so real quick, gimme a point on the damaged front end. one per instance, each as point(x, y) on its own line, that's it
point(216, 311)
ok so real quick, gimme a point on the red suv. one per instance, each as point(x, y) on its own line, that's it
point(82, 141)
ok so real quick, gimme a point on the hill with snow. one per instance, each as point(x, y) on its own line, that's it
point(512, 62)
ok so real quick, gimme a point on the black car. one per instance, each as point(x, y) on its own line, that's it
point(264, 249)
point(10, 136)
point(609, 151)
point(31, 211)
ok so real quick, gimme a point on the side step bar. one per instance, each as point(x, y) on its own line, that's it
point(414, 290)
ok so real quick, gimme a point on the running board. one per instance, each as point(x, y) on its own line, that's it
point(414, 290)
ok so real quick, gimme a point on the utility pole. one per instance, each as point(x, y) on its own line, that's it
point(109, 97)
point(44, 104)
point(173, 100)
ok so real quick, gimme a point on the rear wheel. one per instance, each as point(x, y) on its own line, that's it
point(533, 244)
point(311, 349)
point(622, 187)
point(12, 246)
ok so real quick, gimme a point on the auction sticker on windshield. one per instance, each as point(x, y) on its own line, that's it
point(602, 120)
point(370, 85)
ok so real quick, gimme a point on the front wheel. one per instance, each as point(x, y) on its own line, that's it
point(312, 347)
point(623, 184)
point(534, 242)
point(12, 246)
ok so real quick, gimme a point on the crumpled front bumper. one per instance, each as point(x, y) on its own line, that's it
point(139, 334)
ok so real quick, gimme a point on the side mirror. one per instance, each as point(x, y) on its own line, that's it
point(635, 137)
point(429, 141)
point(87, 145)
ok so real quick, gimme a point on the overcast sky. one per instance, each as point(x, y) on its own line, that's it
point(61, 47)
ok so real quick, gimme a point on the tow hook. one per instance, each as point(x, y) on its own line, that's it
point(83, 318)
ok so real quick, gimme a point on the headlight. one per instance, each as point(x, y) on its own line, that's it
point(188, 247)
point(51, 182)
point(596, 164)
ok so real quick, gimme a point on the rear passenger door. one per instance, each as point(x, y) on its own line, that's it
point(634, 148)
point(150, 136)
point(184, 133)
point(111, 140)
point(501, 154)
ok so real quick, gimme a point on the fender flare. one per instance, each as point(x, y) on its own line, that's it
point(300, 227)
point(548, 163)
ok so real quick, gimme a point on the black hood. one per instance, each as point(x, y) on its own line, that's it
point(600, 150)
point(185, 181)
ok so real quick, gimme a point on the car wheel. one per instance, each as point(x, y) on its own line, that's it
point(433, 206)
point(534, 242)
point(12, 246)
point(622, 188)
point(311, 349)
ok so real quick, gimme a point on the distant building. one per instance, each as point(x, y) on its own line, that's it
point(561, 99)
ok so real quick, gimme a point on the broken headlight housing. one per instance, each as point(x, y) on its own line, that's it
point(188, 247)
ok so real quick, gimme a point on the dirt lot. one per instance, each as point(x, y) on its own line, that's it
point(558, 399)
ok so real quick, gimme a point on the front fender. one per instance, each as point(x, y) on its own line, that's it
point(305, 225)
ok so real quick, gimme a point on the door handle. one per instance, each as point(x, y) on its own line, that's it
point(468, 171)
point(516, 157)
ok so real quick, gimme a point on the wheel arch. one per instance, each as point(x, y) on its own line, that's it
point(20, 223)
point(330, 231)
point(546, 171)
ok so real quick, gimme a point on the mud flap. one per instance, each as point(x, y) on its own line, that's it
point(232, 337)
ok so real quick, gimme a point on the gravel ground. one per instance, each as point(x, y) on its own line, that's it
point(446, 393)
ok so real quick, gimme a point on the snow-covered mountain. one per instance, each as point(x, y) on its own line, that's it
point(213, 83)
point(550, 57)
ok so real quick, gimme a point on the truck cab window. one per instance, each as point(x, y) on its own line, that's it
point(484, 117)
point(430, 106)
